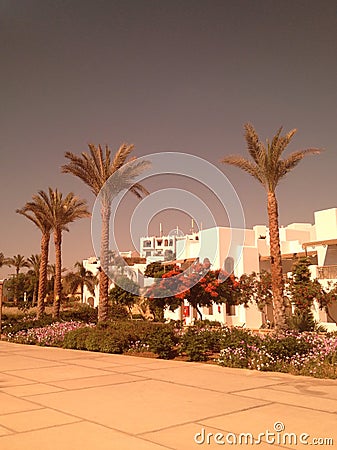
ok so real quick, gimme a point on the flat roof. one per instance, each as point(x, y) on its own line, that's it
point(318, 243)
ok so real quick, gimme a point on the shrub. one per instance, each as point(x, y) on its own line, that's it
point(76, 339)
point(162, 341)
point(117, 311)
point(81, 313)
point(197, 342)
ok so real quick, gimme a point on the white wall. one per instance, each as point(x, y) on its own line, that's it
point(326, 224)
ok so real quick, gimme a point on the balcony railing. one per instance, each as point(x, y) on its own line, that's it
point(327, 272)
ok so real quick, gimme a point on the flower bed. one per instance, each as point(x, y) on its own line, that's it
point(50, 335)
point(297, 353)
point(290, 352)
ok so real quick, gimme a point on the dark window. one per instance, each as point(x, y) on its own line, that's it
point(229, 264)
point(230, 310)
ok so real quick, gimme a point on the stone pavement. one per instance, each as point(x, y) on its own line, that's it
point(71, 400)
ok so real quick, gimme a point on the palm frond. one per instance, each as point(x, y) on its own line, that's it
point(255, 148)
point(279, 144)
point(121, 156)
point(289, 163)
point(244, 164)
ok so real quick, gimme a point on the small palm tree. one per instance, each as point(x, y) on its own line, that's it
point(79, 279)
point(38, 212)
point(64, 210)
point(3, 260)
point(268, 169)
point(19, 262)
point(34, 264)
point(94, 169)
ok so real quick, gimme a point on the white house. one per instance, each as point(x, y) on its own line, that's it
point(245, 251)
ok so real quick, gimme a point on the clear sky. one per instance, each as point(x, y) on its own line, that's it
point(165, 75)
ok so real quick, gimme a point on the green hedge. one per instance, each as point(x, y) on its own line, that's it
point(121, 336)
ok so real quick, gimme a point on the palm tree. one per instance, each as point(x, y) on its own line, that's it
point(3, 260)
point(38, 212)
point(268, 168)
point(64, 210)
point(19, 262)
point(94, 169)
point(34, 264)
point(79, 279)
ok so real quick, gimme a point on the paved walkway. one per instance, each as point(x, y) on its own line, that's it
point(70, 400)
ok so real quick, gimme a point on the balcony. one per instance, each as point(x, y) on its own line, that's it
point(327, 272)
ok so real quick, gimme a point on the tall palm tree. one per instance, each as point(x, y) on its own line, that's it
point(94, 169)
point(19, 262)
point(268, 168)
point(79, 279)
point(63, 210)
point(38, 212)
point(34, 264)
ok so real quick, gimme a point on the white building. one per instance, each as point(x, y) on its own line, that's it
point(245, 251)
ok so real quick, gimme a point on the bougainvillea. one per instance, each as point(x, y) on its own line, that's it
point(199, 286)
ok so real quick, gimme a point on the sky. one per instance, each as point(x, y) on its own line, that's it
point(166, 76)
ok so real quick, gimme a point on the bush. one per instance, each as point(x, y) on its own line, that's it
point(302, 320)
point(121, 336)
point(80, 312)
point(162, 341)
point(77, 339)
point(117, 312)
point(197, 343)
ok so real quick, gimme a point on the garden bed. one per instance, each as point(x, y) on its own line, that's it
point(313, 354)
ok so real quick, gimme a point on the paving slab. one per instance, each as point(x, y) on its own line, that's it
point(104, 380)
point(110, 405)
point(30, 389)
point(53, 398)
point(77, 436)
point(287, 419)
point(7, 380)
point(212, 378)
point(193, 435)
point(12, 362)
point(10, 404)
point(325, 389)
point(55, 373)
point(289, 398)
point(34, 420)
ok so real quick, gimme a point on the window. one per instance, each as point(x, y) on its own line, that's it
point(229, 264)
point(230, 310)
point(208, 310)
point(147, 243)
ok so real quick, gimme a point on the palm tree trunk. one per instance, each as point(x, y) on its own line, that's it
point(35, 294)
point(104, 255)
point(17, 270)
point(58, 268)
point(43, 274)
point(276, 263)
